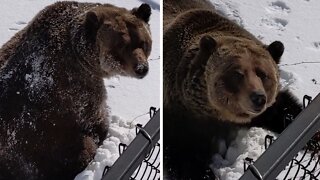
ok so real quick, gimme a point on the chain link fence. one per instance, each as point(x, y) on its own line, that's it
point(295, 154)
point(141, 159)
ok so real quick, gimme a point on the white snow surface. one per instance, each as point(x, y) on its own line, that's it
point(129, 99)
point(249, 143)
point(296, 24)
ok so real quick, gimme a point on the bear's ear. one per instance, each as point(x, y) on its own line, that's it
point(207, 44)
point(92, 23)
point(143, 12)
point(276, 50)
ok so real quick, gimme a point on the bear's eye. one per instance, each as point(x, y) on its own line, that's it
point(238, 75)
point(233, 80)
point(262, 75)
point(142, 45)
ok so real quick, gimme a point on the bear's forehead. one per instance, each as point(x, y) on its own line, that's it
point(241, 45)
point(106, 12)
point(107, 8)
point(247, 61)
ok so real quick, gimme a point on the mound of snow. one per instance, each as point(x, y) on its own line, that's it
point(120, 131)
point(249, 143)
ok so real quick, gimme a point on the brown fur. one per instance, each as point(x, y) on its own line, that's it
point(172, 8)
point(211, 68)
point(52, 97)
point(234, 46)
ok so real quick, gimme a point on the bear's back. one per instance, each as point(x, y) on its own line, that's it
point(172, 8)
point(48, 28)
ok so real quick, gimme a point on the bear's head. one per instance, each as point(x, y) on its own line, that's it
point(242, 77)
point(122, 39)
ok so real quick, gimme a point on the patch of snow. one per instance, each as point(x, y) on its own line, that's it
point(249, 143)
point(120, 131)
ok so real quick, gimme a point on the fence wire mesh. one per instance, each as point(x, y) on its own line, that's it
point(149, 168)
point(306, 164)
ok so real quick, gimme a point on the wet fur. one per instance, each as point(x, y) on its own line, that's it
point(52, 97)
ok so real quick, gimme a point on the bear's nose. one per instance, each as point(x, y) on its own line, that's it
point(141, 70)
point(258, 99)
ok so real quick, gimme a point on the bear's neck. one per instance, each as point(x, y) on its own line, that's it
point(85, 51)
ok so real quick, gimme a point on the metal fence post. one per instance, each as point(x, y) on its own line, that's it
point(288, 144)
point(138, 149)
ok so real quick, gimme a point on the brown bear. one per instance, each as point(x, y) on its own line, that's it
point(217, 77)
point(52, 97)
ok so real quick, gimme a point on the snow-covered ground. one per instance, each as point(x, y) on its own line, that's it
point(129, 99)
point(296, 24)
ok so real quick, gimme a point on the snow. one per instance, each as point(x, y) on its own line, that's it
point(295, 23)
point(129, 99)
point(249, 143)
point(120, 131)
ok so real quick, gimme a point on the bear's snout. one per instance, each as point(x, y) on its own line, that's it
point(140, 63)
point(258, 100)
point(141, 70)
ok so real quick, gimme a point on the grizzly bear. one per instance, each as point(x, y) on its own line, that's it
point(217, 78)
point(53, 113)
